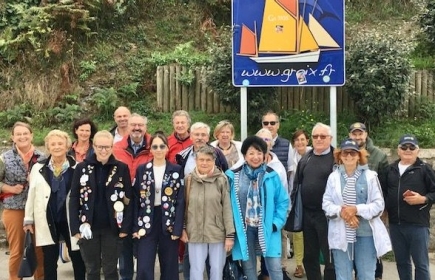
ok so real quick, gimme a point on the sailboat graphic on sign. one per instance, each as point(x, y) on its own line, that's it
point(286, 39)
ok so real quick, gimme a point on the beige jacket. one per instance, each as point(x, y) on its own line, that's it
point(209, 214)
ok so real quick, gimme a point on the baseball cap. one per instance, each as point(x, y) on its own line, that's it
point(349, 144)
point(357, 126)
point(408, 139)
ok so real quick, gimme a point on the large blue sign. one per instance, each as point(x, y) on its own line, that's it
point(288, 43)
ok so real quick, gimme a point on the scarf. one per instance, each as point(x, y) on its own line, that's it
point(26, 157)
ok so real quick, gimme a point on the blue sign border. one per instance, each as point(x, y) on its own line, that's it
point(328, 71)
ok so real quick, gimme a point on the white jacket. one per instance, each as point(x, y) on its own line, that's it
point(371, 211)
point(36, 208)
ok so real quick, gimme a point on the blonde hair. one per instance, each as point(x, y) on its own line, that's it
point(221, 125)
point(58, 133)
point(103, 134)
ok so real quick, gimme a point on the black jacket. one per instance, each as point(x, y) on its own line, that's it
point(419, 178)
point(117, 189)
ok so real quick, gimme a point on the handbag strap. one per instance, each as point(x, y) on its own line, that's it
point(186, 197)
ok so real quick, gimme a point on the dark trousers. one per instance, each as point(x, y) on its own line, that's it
point(102, 251)
point(316, 241)
point(51, 255)
point(126, 261)
point(159, 242)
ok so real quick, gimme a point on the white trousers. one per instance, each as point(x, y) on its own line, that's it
point(198, 253)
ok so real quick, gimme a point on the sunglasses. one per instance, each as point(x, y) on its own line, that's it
point(271, 123)
point(161, 146)
point(323, 137)
point(351, 153)
point(406, 147)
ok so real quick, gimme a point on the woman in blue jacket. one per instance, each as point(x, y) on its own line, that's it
point(260, 205)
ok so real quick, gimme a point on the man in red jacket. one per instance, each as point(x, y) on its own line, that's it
point(180, 138)
point(133, 150)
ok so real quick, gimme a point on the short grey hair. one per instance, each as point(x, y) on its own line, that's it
point(322, 125)
point(200, 125)
point(145, 119)
point(181, 113)
point(207, 150)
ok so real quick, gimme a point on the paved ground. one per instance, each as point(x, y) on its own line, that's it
point(65, 270)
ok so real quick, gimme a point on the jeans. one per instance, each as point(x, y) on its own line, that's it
point(364, 253)
point(199, 252)
point(273, 264)
point(411, 241)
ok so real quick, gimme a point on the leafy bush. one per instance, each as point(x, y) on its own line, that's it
point(219, 79)
point(427, 21)
point(378, 72)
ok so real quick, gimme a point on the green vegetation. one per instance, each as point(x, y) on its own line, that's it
point(61, 60)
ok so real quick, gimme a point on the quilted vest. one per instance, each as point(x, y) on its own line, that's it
point(15, 173)
point(281, 149)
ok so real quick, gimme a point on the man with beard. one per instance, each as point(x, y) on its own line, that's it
point(377, 162)
point(133, 150)
point(120, 116)
point(199, 135)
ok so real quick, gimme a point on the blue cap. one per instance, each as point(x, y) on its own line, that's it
point(349, 144)
point(408, 139)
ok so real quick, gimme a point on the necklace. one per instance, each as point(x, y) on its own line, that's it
point(229, 147)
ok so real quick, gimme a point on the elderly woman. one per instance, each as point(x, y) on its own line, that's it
point(46, 211)
point(261, 202)
point(209, 219)
point(299, 140)
point(224, 135)
point(15, 166)
point(353, 203)
point(83, 131)
point(158, 212)
point(100, 209)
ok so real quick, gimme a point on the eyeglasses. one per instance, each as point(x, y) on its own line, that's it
point(323, 137)
point(351, 153)
point(161, 146)
point(271, 123)
point(100, 148)
point(406, 147)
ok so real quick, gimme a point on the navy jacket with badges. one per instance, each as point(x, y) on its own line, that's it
point(419, 178)
point(172, 195)
point(117, 192)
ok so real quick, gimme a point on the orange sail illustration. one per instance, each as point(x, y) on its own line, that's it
point(285, 36)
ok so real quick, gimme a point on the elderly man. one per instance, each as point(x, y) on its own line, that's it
point(120, 116)
point(409, 190)
point(377, 162)
point(180, 138)
point(133, 150)
point(311, 175)
point(199, 134)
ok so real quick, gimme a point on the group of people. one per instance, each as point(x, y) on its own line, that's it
point(123, 195)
